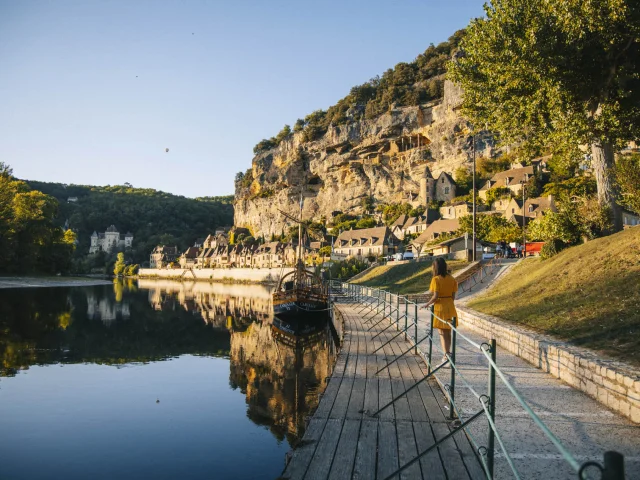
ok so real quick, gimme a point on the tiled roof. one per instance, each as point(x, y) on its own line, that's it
point(400, 221)
point(448, 225)
point(112, 229)
point(515, 175)
point(366, 236)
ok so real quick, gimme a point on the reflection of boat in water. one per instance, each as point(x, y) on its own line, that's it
point(300, 293)
point(298, 334)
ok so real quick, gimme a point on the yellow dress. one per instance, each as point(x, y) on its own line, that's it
point(444, 307)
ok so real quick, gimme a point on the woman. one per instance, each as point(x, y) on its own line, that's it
point(444, 288)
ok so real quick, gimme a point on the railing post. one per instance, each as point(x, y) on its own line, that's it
point(397, 311)
point(452, 383)
point(430, 337)
point(406, 316)
point(492, 408)
point(415, 327)
point(613, 466)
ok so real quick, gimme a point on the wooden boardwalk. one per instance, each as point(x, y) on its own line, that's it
point(343, 440)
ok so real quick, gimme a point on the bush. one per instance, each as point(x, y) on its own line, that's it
point(551, 248)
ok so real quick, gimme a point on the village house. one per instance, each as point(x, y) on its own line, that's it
point(459, 209)
point(273, 255)
point(209, 245)
point(366, 242)
point(110, 241)
point(534, 207)
point(406, 225)
point(162, 256)
point(452, 246)
point(512, 179)
point(188, 258)
point(437, 229)
point(441, 189)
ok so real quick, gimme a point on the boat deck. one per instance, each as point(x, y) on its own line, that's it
point(345, 440)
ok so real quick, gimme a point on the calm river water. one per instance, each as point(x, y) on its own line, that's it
point(153, 379)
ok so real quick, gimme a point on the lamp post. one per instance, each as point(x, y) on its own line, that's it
point(473, 150)
point(524, 218)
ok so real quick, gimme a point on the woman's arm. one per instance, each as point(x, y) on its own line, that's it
point(432, 301)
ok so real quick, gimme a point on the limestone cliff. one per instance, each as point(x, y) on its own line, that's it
point(390, 158)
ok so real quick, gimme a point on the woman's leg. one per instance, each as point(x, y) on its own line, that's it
point(445, 340)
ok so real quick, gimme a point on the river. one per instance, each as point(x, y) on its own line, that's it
point(154, 379)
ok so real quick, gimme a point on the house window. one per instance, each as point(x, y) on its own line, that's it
point(531, 208)
point(446, 190)
point(513, 210)
point(442, 179)
point(450, 211)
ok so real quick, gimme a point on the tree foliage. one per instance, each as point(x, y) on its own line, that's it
point(556, 74)
point(30, 241)
point(153, 217)
point(492, 228)
point(120, 265)
point(628, 177)
point(408, 83)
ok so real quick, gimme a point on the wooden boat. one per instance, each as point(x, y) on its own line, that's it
point(300, 293)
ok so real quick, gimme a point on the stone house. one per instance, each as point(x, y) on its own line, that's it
point(188, 258)
point(441, 189)
point(162, 256)
point(273, 255)
point(454, 245)
point(459, 209)
point(534, 207)
point(111, 240)
point(511, 179)
point(406, 225)
point(366, 242)
point(437, 229)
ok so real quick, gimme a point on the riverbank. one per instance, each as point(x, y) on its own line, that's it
point(39, 282)
point(221, 275)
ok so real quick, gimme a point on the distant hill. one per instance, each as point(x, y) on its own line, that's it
point(152, 216)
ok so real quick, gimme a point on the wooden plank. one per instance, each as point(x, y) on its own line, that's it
point(387, 449)
point(449, 454)
point(430, 463)
point(303, 453)
point(344, 459)
point(407, 450)
point(323, 457)
point(366, 454)
point(356, 402)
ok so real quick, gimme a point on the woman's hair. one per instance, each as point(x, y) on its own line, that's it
point(440, 267)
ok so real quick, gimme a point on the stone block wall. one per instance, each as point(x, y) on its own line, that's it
point(614, 384)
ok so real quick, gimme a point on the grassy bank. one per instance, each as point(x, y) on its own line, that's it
point(588, 295)
point(405, 278)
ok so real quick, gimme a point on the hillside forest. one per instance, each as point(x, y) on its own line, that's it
point(42, 231)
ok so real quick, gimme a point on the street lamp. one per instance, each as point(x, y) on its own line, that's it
point(524, 218)
point(473, 150)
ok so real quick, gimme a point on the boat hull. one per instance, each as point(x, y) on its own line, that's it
point(291, 306)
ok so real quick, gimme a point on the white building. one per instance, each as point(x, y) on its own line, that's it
point(110, 241)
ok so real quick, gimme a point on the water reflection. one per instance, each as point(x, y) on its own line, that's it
point(280, 369)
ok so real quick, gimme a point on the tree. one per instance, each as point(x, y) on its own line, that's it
point(556, 73)
point(492, 228)
point(366, 222)
point(628, 177)
point(119, 267)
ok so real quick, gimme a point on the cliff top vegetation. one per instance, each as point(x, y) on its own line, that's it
point(407, 84)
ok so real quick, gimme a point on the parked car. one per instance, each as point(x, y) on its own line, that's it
point(407, 256)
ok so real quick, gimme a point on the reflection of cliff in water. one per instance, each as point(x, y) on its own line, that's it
point(282, 374)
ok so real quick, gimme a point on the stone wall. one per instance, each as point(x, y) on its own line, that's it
point(230, 275)
point(614, 384)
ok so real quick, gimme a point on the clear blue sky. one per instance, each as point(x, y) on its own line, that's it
point(92, 92)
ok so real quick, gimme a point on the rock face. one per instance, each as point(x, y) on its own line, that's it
point(385, 158)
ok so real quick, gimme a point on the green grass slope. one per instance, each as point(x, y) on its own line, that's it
point(405, 278)
point(588, 295)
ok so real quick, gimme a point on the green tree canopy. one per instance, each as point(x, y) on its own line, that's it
point(559, 74)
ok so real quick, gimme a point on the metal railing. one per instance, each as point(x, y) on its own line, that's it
point(402, 313)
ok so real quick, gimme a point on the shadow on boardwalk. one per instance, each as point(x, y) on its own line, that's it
point(345, 440)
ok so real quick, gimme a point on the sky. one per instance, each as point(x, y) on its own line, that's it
point(93, 92)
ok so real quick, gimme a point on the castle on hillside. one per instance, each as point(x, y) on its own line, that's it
point(110, 241)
